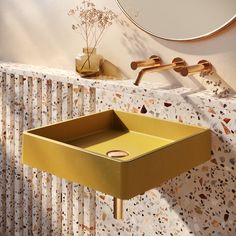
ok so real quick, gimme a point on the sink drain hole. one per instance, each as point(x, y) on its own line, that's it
point(117, 153)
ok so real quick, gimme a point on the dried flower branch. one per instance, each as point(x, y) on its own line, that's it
point(91, 23)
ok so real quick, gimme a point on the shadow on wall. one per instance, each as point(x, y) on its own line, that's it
point(208, 205)
point(224, 41)
point(134, 41)
point(109, 69)
point(214, 83)
point(217, 85)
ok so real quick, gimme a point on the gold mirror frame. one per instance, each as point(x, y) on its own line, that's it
point(223, 26)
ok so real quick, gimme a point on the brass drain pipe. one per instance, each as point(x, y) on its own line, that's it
point(118, 208)
point(117, 202)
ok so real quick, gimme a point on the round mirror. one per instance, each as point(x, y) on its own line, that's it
point(180, 20)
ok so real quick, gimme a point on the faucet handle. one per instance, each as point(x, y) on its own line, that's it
point(151, 61)
point(203, 67)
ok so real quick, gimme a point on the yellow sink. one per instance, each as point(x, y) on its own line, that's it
point(118, 153)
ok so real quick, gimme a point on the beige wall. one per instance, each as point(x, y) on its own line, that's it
point(39, 32)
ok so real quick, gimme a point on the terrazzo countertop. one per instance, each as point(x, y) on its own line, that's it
point(109, 83)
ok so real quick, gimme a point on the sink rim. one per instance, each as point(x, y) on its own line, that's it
point(120, 160)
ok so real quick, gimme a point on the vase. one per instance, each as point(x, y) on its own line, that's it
point(89, 63)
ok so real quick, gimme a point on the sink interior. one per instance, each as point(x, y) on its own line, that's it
point(114, 130)
point(134, 143)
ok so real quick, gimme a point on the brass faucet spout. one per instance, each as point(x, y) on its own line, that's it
point(176, 64)
point(151, 69)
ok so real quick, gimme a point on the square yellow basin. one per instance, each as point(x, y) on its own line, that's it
point(118, 153)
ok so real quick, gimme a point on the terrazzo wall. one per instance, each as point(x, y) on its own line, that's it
point(198, 202)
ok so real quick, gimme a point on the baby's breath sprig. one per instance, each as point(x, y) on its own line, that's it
point(91, 23)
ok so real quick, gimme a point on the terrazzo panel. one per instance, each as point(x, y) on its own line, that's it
point(198, 202)
point(33, 202)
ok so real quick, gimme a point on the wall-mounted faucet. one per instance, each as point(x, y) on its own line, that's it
point(176, 64)
point(153, 64)
point(151, 61)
